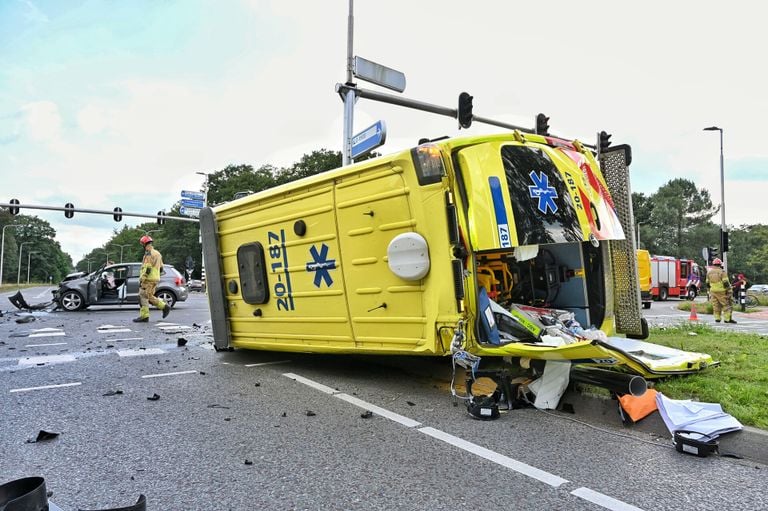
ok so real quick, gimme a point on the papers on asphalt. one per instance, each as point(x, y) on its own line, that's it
point(704, 418)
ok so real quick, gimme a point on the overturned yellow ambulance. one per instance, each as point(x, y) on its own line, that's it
point(496, 244)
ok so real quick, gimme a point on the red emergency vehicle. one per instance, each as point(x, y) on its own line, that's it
point(675, 277)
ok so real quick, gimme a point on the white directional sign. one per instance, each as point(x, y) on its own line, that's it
point(192, 212)
point(187, 194)
point(378, 74)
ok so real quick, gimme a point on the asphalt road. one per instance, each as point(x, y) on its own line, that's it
point(666, 313)
point(250, 430)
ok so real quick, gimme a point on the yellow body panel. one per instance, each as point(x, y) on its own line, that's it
point(305, 267)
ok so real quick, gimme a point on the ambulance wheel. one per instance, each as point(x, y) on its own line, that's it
point(646, 305)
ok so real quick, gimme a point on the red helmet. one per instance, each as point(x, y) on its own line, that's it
point(716, 261)
point(145, 239)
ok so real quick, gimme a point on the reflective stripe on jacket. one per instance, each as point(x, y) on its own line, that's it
point(154, 261)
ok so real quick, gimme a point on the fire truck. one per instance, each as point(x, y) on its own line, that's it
point(675, 277)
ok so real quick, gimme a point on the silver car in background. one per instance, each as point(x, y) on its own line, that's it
point(118, 284)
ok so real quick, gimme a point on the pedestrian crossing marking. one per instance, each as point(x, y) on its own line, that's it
point(140, 352)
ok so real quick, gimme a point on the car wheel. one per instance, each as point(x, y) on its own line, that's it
point(167, 296)
point(71, 301)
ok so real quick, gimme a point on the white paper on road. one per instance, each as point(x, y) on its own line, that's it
point(704, 418)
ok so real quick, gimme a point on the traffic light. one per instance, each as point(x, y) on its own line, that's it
point(118, 214)
point(69, 210)
point(14, 210)
point(542, 125)
point(160, 219)
point(465, 110)
point(604, 140)
point(723, 241)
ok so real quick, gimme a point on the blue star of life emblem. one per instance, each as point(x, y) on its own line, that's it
point(542, 191)
point(320, 264)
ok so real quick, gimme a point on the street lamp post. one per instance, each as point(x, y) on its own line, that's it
point(723, 252)
point(18, 273)
point(29, 261)
point(638, 233)
point(2, 251)
point(89, 265)
point(106, 254)
point(121, 250)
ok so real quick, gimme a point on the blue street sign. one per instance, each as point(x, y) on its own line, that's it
point(191, 203)
point(192, 212)
point(186, 194)
point(369, 139)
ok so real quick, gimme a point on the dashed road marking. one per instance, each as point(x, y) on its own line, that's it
point(603, 500)
point(140, 352)
point(108, 329)
point(159, 375)
point(46, 344)
point(46, 359)
point(260, 364)
point(498, 458)
point(47, 332)
point(47, 387)
point(127, 339)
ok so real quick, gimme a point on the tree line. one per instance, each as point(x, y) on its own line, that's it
point(676, 221)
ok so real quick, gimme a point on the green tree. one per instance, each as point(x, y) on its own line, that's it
point(310, 165)
point(41, 255)
point(225, 183)
point(678, 210)
point(748, 252)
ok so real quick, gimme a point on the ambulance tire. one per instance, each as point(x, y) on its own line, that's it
point(646, 305)
point(644, 332)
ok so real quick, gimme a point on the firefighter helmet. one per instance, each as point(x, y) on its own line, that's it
point(145, 239)
point(717, 262)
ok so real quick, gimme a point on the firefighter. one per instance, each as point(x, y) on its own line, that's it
point(150, 276)
point(719, 292)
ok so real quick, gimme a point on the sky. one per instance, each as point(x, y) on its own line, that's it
point(107, 103)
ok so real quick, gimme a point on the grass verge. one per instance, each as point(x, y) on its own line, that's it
point(739, 384)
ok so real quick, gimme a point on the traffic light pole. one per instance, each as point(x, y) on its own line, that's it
point(96, 211)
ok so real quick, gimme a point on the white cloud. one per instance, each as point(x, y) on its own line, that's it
point(42, 121)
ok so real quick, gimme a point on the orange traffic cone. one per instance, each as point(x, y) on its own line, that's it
point(693, 316)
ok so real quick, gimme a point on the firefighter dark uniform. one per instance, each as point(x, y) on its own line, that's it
point(720, 292)
point(148, 279)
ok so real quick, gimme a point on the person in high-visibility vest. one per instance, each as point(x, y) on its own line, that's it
point(719, 292)
point(150, 276)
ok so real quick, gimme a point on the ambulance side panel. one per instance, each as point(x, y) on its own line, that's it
point(300, 274)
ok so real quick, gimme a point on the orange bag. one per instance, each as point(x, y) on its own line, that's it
point(638, 407)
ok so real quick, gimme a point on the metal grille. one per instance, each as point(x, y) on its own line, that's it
point(626, 295)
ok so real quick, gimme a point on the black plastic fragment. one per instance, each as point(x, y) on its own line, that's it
point(366, 415)
point(310, 413)
point(113, 393)
point(154, 397)
point(43, 436)
point(181, 342)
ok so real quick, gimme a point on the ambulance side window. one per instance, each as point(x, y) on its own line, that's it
point(253, 273)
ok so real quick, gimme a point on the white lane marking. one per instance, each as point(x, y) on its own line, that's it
point(405, 421)
point(49, 329)
point(127, 339)
point(268, 363)
point(139, 353)
point(310, 383)
point(47, 344)
point(106, 329)
point(47, 333)
point(158, 375)
point(505, 461)
point(47, 387)
point(603, 500)
point(46, 359)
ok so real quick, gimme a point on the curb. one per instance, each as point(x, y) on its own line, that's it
point(750, 443)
